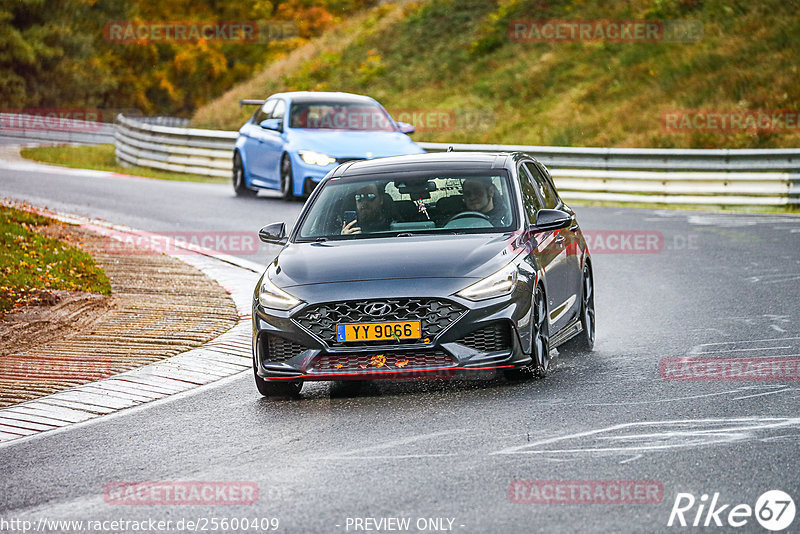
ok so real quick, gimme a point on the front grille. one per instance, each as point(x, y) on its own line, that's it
point(434, 315)
point(278, 349)
point(491, 338)
point(376, 362)
point(345, 160)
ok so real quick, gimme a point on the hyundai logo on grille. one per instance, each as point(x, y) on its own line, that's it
point(377, 309)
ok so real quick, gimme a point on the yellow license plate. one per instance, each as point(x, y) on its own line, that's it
point(378, 331)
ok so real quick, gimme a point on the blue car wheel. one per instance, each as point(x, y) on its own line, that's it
point(287, 185)
point(239, 183)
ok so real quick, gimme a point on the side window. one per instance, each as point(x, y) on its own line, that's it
point(543, 186)
point(530, 197)
point(264, 111)
point(279, 111)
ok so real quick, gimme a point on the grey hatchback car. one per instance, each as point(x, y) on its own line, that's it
point(429, 265)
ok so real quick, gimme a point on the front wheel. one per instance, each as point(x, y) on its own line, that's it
point(584, 342)
point(541, 336)
point(287, 179)
point(239, 186)
point(284, 388)
point(540, 344)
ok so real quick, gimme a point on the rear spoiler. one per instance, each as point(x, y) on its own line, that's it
point(248, 102)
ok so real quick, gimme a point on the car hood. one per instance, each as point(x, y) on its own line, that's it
point(440, 256)
point(353, 144)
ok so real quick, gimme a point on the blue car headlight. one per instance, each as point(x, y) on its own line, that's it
point(316, 158)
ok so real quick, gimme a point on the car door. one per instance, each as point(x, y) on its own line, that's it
point(549, 251)
point(545, 249)
point(272, 146)
point(253, 148)
point(569, 260)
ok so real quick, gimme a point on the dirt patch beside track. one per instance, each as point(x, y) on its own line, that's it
point(159, 307)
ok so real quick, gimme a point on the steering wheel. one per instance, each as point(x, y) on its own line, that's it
point(468, 214)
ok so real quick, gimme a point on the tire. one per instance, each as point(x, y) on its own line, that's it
point(540, 346)
point(239, 186)
point(584, 342)
point(287, 388)
point(287, 179)
point(308, 187)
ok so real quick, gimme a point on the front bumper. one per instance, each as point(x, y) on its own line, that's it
point(461, 339)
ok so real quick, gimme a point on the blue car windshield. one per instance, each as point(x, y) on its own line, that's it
point(384, 207)
point(340, 116)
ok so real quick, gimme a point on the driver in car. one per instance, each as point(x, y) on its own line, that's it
point(482, 196)
point(372, 211)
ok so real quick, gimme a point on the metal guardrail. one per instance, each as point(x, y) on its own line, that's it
point(666, 176)
point(68, 130)
point(188, 150)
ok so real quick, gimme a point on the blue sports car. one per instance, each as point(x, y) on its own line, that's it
point(294, 139)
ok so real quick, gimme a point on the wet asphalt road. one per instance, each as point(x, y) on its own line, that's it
point(718, 285)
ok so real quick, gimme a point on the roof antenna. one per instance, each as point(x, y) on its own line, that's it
point(450, 148)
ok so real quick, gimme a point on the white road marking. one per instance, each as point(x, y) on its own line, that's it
point(676, 434)
point(774, 278)
point(748, 341)
point(675, 399)
point(743, 350)
point(388, 457)
point(762, 394)
point(358, 453)
point(742, 345)
point(784, 437)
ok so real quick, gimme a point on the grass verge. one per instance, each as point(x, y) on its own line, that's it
point(458, 59)
point(102, 158)
point(36, 259)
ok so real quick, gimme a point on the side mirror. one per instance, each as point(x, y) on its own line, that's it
point(551, 220)
point(406, 128)
point(271, 124)
point(274, 233)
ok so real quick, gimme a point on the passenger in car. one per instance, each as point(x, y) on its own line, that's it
point(373, 210)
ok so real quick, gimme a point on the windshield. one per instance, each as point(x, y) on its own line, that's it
point(381, 206)
point(340, 116)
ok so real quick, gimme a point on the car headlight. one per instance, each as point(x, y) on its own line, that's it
point(495, 285)
point(271, 296)
point(315, 158)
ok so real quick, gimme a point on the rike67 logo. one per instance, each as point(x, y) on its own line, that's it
point(774, 510)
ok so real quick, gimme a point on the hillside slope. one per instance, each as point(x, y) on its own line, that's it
point(456, 59)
